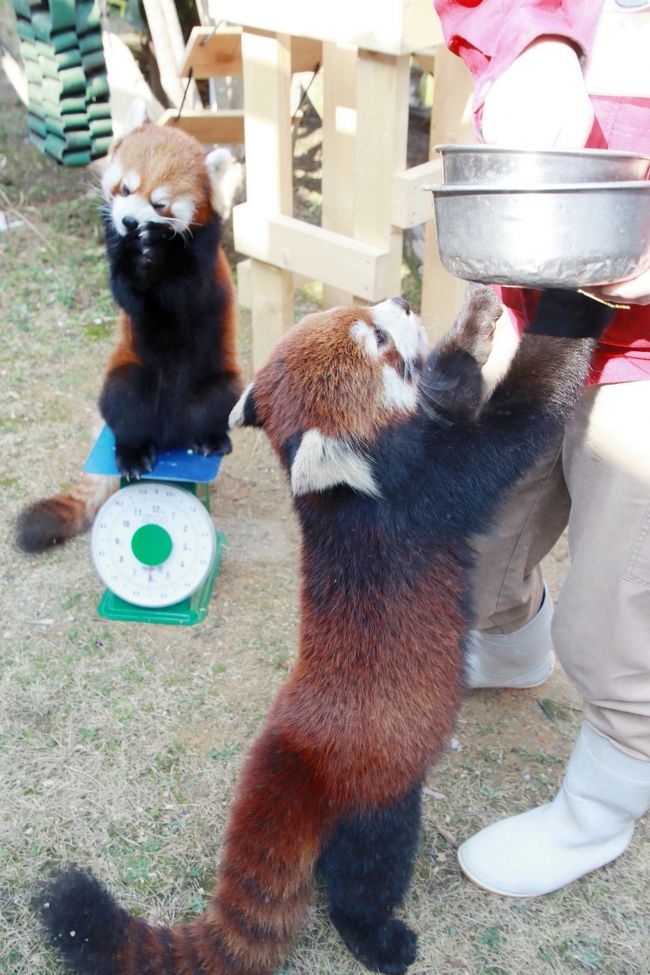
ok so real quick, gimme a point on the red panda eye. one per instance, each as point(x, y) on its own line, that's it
point(158, 206)
point(124, 190)
point(380, 337)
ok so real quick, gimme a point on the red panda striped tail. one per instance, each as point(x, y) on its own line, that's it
point(53, 520)
point(275, 834)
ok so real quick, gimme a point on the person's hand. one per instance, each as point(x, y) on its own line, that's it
point(634, 291)
point(540, 100)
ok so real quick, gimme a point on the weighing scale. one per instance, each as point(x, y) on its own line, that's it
point(153, 542)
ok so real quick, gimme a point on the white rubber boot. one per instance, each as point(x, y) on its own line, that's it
point(589, 823)
point(520, 659)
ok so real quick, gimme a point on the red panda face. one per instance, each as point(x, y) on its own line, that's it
point(161, 175)
point(334, 381)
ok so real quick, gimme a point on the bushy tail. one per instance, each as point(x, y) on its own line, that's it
point(54, 520)
point(276, 830)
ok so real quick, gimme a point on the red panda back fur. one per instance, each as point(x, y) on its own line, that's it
point(393, 463)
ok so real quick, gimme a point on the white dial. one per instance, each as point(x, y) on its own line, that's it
point(153, 544)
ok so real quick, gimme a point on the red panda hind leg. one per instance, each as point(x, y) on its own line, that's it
point(366, 865)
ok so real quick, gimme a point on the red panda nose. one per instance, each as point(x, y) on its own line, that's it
point(403, 304)
point(130, 222)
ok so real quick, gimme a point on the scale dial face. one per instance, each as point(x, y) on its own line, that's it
point(153, 544)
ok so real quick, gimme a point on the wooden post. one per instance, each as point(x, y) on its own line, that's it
point(169, 46)
point(339, 140)
point(442, 294)
point(382, 130)
point(267, 78)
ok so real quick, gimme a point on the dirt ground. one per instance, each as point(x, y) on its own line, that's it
point(120, 743)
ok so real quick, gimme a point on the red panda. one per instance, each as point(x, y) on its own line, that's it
point(173, 377)
point(394, 461)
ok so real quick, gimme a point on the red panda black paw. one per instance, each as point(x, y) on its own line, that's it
point(134, 461)
point(389, 946)
point(147, 248)
point(213, 445)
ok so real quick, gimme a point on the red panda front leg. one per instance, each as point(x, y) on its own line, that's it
point(451, 386)
point(206, 420)
point(126, 404)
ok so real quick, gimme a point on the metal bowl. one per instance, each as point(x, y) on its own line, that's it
point(522, 167)
point(563, 236)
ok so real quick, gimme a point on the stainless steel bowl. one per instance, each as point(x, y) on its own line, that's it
point(522, 167)
point(564, 236)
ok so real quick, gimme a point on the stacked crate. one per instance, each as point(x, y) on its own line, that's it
point(69, 115)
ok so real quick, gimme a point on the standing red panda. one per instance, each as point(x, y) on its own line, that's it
point(173, 377)
point(394, 463)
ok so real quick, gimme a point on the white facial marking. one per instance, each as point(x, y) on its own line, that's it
point(398, 393)
point(236, 418)
point(183, 210)
point(135, 206)
point(365, 336)
point(161, 195)
point(323, 462)
point(111, 176)
point(403, 327)
point(131, 180)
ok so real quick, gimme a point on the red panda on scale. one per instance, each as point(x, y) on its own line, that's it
point(395, 461)
point(173, 376)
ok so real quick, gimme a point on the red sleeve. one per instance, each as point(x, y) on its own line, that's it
point(489, 34)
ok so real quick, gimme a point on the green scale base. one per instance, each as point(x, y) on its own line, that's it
point(186, 613)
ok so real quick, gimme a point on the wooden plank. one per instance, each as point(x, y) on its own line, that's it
point(442, 294)
point(269, 184)
point(244, 289)
point(393, 26)
point(271, 308)
point(306, 54)
point(167, 37)
point(225, 127)
point(382, 129)
point(421, 27)
point(126, 82)
point(267, 78)
point(14, 72)
point(425, 58)
point(244, 279)
point(318, 254)
point(212, 55)
point(412, 203)
point(339, 139)
point(217, 54)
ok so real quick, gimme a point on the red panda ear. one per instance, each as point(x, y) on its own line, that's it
point(137, 116)
point(322, 462)
point(243, 413)
point(226, 175)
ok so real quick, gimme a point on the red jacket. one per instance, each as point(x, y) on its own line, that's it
point(488, 35)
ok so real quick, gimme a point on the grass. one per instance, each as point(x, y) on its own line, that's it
point(120, 743)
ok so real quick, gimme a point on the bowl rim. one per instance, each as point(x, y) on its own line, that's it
point(465, 189)
point(482, 149)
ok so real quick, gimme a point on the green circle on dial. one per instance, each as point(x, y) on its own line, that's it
point(151, 544)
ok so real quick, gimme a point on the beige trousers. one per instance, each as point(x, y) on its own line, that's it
point(598, 482)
